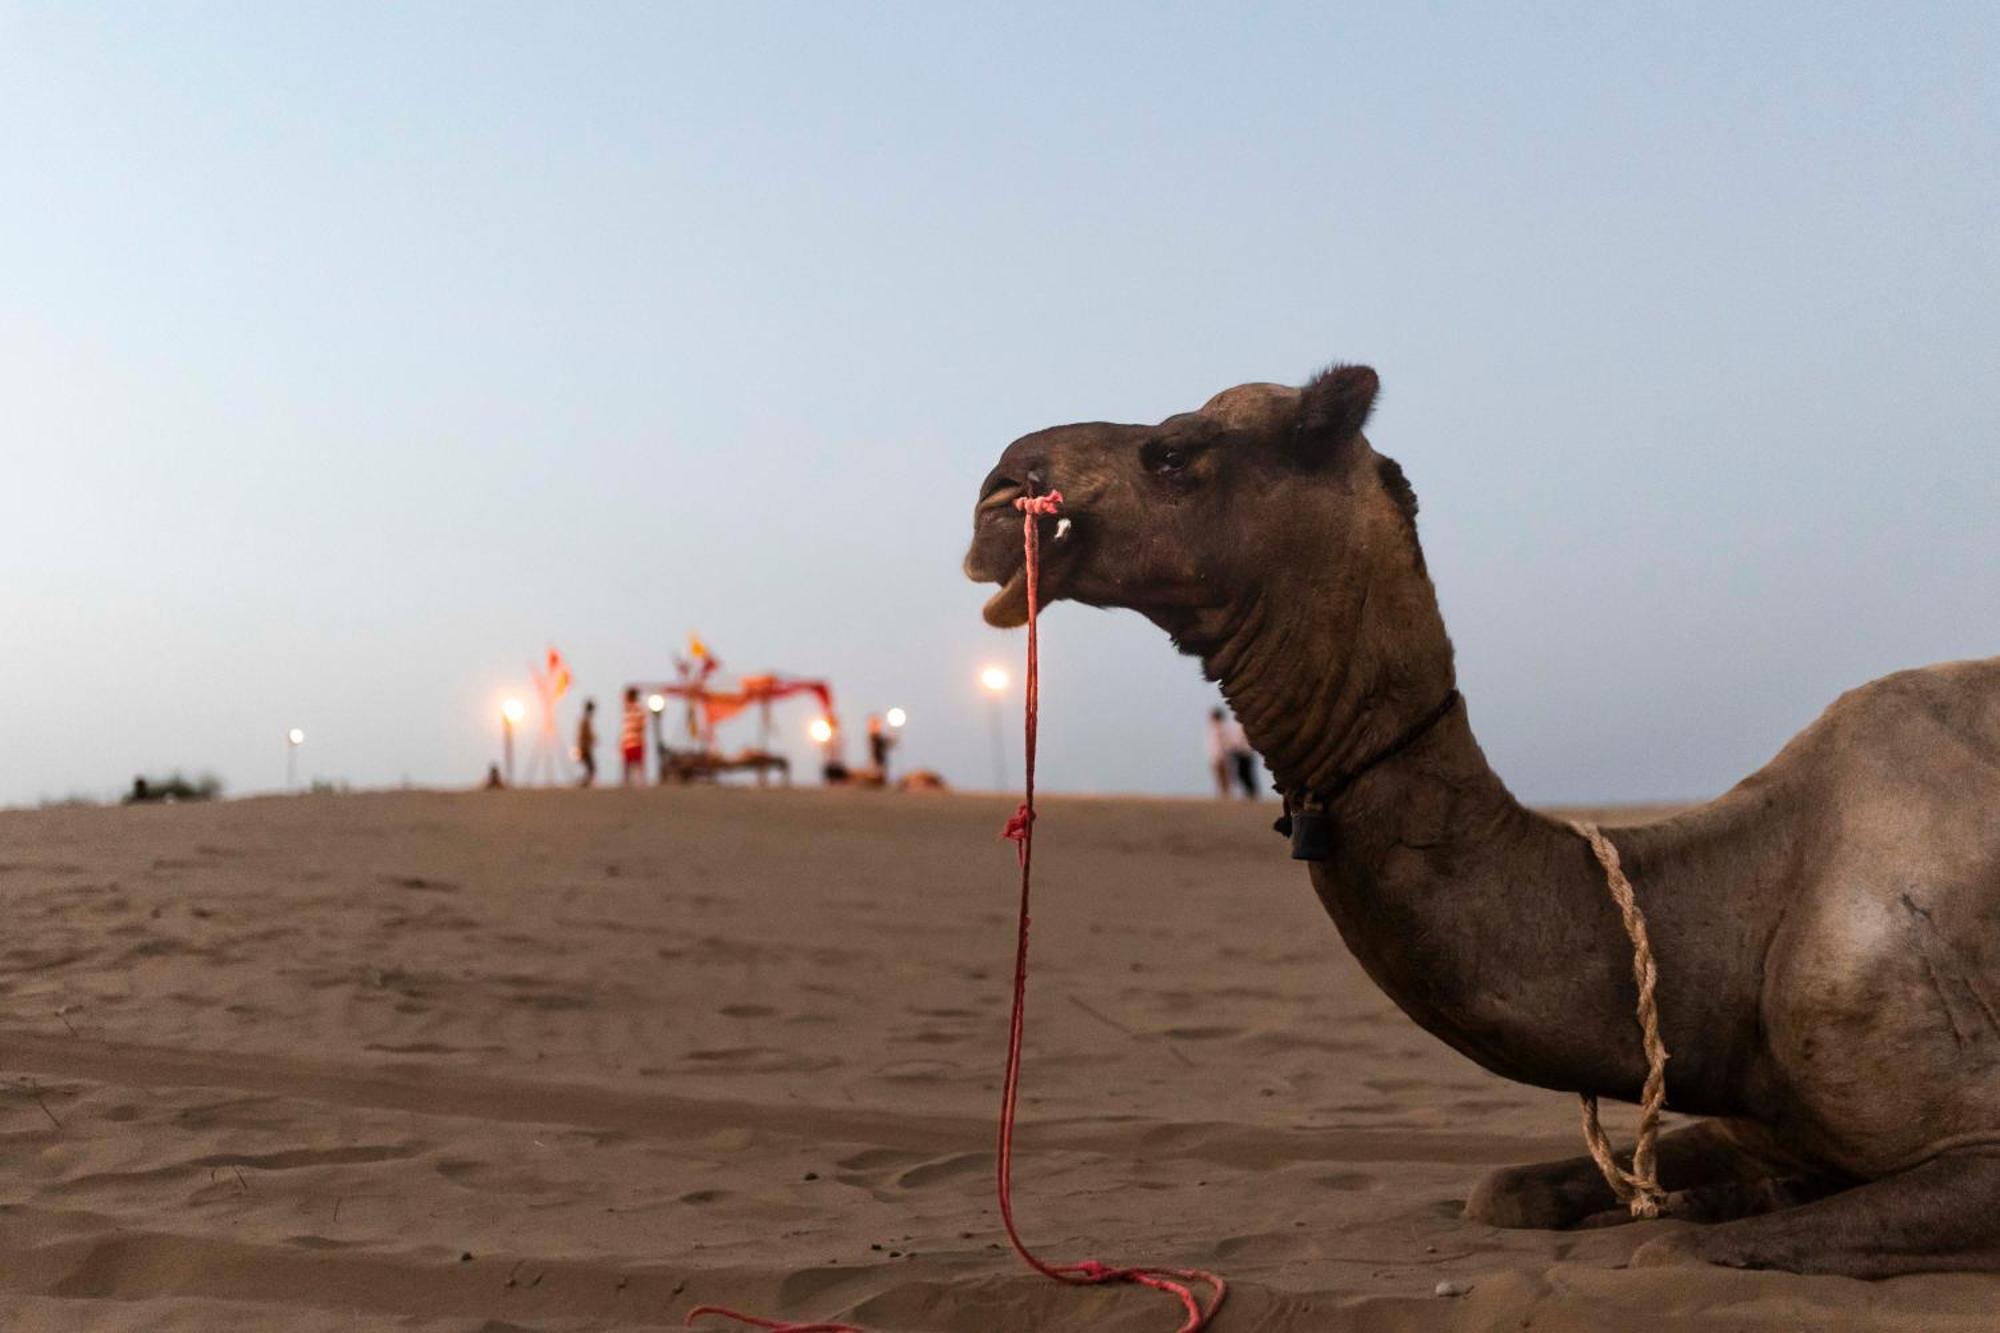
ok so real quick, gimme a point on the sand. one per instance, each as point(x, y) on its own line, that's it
point(580, 1060)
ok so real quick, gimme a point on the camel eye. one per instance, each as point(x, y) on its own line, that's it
point(1163, 460)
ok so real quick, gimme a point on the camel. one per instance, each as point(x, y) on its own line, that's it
point(1827, 932)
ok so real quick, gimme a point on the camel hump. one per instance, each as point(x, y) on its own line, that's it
point(1882, 996)
point(1939, 716)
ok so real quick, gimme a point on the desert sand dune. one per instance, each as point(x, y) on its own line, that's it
point(582, 1060)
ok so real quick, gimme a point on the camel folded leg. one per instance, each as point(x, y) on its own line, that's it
point(1552, 1196)
point(1941, 1216)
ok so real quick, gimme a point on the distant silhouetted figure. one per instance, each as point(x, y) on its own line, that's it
point(632, 740)
point(586, 743)
point(140, 792)
point(881, 740)
point(494, 782)
point(1218, 750)
point(1241, 757)
point(1230, 758)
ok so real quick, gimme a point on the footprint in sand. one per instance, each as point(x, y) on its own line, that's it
point(1266, 1245)
point(1202, 1033)
point(813, 1287)
point(918, 1071)
point(757, 1060)
point(419, 883)
point(931, 1037)
point(943, 1169)
point(874, 1159)
point(876, 1169)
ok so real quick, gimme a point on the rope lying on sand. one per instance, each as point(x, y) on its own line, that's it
point(1639, 1189)
point(1176, 1282)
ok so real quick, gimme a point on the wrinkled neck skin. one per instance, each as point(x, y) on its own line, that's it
point(1489, 924)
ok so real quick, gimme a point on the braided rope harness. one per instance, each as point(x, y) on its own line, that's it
point(1639, 1188)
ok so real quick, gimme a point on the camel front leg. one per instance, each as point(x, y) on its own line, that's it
point(1552, 1196)
point(1941, 1216)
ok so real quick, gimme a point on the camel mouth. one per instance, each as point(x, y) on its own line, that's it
point(997, 557)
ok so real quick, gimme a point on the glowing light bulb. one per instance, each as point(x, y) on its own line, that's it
point(994, 678)
point(295, 736)
point(820, 730)
point(657, 702)
point(897, 717)
point(513, 710)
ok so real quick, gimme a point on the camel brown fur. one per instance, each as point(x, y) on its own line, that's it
point(1827, 932)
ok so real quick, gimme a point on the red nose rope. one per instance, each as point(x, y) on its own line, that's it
point(1176, 1282)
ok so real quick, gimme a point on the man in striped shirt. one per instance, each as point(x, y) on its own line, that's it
point(632, 740)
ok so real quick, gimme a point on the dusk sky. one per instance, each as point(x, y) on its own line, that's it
point(350, 355)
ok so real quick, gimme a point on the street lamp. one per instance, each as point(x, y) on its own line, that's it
point(896, 717)
point(994, 680)
point(823, 730)
point(293, 740)
point(511, 713)
point(656, 708)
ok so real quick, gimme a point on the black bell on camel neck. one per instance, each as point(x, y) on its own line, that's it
point(1312, 835)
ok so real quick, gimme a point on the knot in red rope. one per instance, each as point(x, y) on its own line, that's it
point(1016, 830)
point(1040, 506)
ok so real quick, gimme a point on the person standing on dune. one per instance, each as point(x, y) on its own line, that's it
point(586, 743)
point(1242, 759)
point(1218, 751)
point(632, 740)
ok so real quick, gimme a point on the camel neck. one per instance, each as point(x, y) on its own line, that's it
point(1328, 679)
point(1487, 923)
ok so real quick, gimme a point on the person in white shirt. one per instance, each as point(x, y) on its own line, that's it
point(1218, 749)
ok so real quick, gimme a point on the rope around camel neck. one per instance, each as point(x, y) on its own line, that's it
point(1638, 1189)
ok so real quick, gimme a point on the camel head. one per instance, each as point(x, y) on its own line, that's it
point(1185, 521)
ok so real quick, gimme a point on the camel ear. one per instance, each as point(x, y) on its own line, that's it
point(1333, 409)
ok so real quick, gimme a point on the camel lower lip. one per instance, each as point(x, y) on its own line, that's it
point(1008, 608)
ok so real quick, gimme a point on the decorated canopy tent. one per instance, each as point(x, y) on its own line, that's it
point(708, 704)
point(713, 705)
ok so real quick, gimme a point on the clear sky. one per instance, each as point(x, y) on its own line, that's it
point(350, 354)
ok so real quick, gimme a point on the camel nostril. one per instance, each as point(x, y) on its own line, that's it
point(999, 488)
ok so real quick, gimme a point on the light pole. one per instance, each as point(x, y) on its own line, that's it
point(895, 717)
point(821, 729)
point(656, 706)
point(511, 712)
point(293, 740)
point(993, 680)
